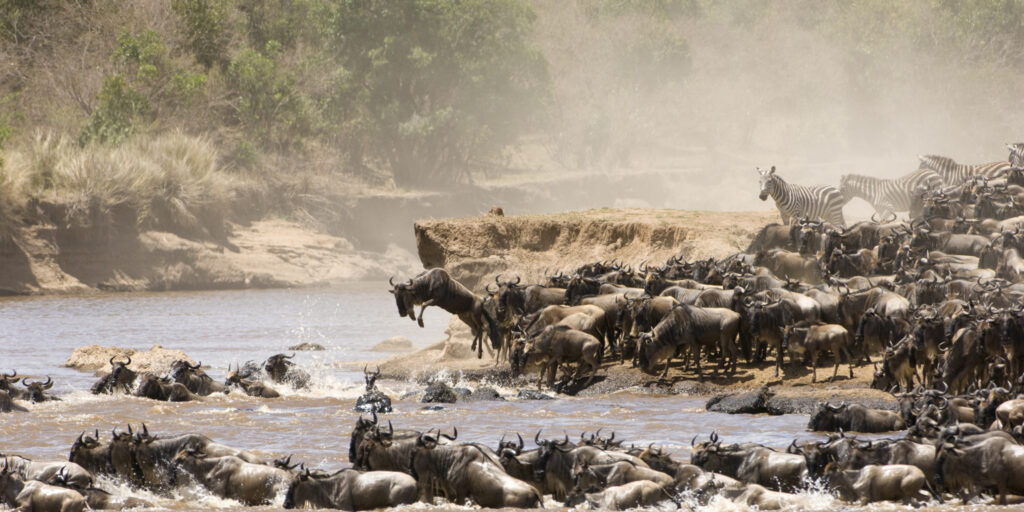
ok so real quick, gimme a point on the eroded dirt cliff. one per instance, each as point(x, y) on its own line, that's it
point(476, 249)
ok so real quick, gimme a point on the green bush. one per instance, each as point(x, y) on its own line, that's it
point(206, 29)
point(440, 83)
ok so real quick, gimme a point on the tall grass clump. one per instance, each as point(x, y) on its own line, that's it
point(170, 181)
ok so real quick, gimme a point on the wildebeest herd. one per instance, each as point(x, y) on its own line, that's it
point(392, 467)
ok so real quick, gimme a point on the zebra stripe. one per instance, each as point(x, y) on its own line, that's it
point(1016, 154)
point(821, 202)
point(888, 196)
point(956, 174)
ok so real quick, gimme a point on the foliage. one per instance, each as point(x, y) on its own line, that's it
point(268, 104)
point(206, 29)
point(439, 82)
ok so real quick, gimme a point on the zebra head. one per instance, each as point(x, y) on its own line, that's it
point(1016, 154)
point(767, 180)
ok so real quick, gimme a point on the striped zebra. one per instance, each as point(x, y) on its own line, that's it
point(821, 202)
point(1016, 154)
point(889, 196)
point(954, 174)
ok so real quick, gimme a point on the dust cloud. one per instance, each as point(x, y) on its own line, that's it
point(691, 96)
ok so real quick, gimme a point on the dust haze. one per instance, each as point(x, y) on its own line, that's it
point(690, 97)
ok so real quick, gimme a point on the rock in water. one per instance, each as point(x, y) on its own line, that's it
point(373, 401)
point(439, 392)
point(751, 402)
point(483, 394)
point(532, 394)
point(394, 344)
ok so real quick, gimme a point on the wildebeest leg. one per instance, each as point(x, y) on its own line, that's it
point(814, 366)
point(778, 357)
point(668, 362)
point(422, 307)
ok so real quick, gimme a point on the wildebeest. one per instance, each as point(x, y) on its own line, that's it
point(193, 378)
point(596, 477)
point(282, 371)
point(632, 495)
point(36, 391)
point(691, 327)
point(814, 339)
point(560, 345)
point(892, 482)
point(7, 403)
point(152, 458)
point(993, 464)
point(92, 454)
point(349, 489)
point(46, 471)
point(557, 459)
point(459, 472)
point(121, 378)
point(855, 417)
point(36, 496)
point(250, 386)
point(435, 287)
point(233, 478)
point(164, 389)
point(750, 463)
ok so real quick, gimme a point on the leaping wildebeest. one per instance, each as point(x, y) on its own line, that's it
point(436, 288)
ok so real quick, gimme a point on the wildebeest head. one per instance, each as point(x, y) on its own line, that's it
point(826, 417)
point(547, 447)
point(90, 453)
point(278, 365)
point(120, 375)
point(646, 350)
point(363, 426)
point(767, 181)
point(702, 452)
point(405, 297)
point(181, 369)
point(515, 447)
point(370, 378)
point(509, 297)
point(7, 380)
point(602, 442)
point(37, 390)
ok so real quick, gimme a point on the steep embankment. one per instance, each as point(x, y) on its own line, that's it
point(476, 249)
point(47, 257)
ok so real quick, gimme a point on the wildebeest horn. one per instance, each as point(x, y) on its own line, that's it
point(145, 430)
point(693, 441)
point(391, 429)
point(391, 281)
point(520, 441)
point(196, 367)
point(374, 417)
point(288, 357)
point(450, 437)
point(714, 436)
point(536, 438)
point(518, 279)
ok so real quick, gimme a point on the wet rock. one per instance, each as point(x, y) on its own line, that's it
point(483, 394)
point(439, 392)
point(307, 346)
point(808, 403)
point(373, 401)
point(692, 387)
point(751, 402)
point(95, 358)
point(395, 344)
point(532, 394)
point(432, 408)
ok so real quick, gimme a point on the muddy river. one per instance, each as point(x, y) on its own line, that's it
point(38, 334)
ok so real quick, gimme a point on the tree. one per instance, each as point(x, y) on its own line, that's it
point(440, 83)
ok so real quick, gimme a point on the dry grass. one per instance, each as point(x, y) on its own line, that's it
point(169, 179)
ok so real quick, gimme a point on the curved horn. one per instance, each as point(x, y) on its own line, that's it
point(520, 448)
point(196, 367)
point(288, 357)
point(693, 441)
point(536, 438)
point(391, 281)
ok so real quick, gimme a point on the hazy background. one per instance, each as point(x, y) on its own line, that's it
point(304, 108)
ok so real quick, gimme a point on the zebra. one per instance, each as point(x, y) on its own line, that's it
point(889, 196)
point(954, 174)
point(821, 202)
point(1016, 154)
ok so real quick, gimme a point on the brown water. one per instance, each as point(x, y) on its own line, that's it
point(38, 334)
